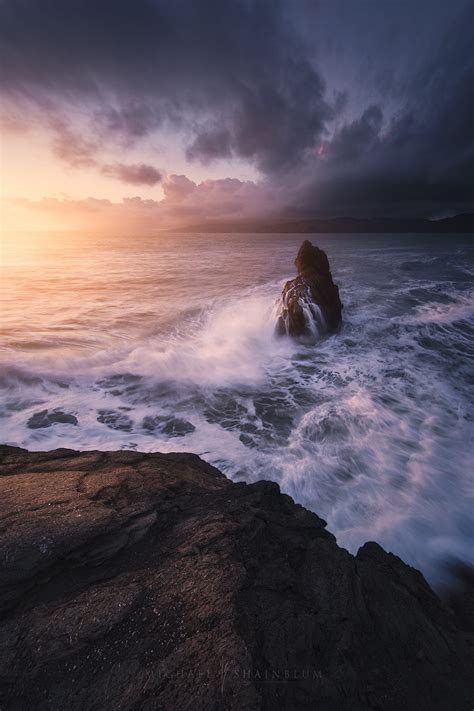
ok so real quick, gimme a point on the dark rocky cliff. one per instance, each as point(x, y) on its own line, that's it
point(150, 581)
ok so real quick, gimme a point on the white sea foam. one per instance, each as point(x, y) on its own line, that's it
point(232, 345)
point(461, 309)
point(372, 429)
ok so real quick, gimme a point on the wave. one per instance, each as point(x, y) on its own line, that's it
point(461, 308)
point(370, 428)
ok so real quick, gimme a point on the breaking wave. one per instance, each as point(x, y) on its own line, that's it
point(372, 428)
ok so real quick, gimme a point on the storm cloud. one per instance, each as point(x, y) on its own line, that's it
point(140, 174)
point(417, 159)
point(362, 107)
point(138, 66)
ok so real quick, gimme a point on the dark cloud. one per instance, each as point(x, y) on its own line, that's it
point(78, 152)
point(210, 144)
point(348, 107)
point(70, 147)
point(131, 120)
point(141, 65)
point(357, 138)
point(140, 174)
point(418, 160)
point(277, 117)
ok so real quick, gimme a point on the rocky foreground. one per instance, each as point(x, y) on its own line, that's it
point(150, 581)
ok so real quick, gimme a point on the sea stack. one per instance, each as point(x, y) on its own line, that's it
point(310, 305)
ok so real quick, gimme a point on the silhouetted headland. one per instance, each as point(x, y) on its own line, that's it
point(458, 224)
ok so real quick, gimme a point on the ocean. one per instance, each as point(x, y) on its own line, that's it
point(166, 343)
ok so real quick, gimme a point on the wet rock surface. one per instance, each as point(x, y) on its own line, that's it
point(171, 426)
point(310, 304)
point(45, 418)
point(115, 420)
point(150, 581)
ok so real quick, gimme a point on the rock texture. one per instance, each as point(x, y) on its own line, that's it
point(310, 305)
point(150, 581)
point(46, 419)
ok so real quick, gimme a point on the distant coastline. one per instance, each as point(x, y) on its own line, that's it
point(463, 223)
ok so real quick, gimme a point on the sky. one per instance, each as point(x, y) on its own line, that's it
point(158, 113)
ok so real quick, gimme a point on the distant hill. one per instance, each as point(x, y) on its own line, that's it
point(459, 223)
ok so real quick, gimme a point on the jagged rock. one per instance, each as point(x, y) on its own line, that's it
point(150, 581)
point(310, 305)
point(115, 420)
point(171, 426)
point(46, 419)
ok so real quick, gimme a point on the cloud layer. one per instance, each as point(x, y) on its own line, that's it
point(140, 174)
point(185, 201)
point(364, 109)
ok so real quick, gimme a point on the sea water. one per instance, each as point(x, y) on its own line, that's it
point(166, 343)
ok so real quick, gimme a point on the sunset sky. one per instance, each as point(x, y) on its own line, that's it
point(157, 113)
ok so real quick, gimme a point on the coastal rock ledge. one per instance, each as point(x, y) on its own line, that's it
point(150, 581)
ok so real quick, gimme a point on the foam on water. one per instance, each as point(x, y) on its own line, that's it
point(372, 428)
